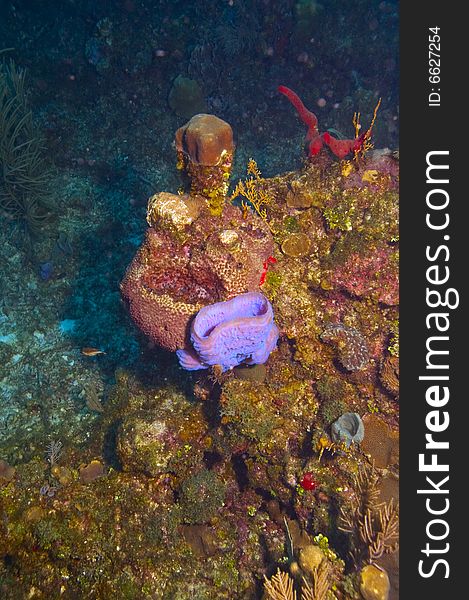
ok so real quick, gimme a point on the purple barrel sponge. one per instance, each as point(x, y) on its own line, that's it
point(240, 330)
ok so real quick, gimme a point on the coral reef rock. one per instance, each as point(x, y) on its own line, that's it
point(297, 244)
point(198, 250)
point(170, 280)
point(171, 211)
point(351, 345)
point(389, 374)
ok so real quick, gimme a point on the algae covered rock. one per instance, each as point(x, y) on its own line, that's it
point(389, 374)
point(158, 431)
point(156, 445)
point(144, 445)
point(171, 211)
point(248, 409)
point(374, 583)
point(336, 396)
point(201, 496)
point(6, 472)
point(251, 373)
point(94, 470)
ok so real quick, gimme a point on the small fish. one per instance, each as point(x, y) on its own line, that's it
point(91, 351)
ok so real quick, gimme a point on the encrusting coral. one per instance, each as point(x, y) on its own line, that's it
point(351, 345)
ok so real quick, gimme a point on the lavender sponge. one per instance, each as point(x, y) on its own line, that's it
point(240, 330)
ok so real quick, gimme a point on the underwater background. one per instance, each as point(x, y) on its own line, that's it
point(123, 474)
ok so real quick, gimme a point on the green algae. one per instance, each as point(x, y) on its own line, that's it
point(335, 397)
point(393, 347)
point(201, 496)
point(245, 407)
point(291, 225)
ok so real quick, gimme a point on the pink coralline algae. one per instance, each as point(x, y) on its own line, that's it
point(384, 162)
point(352, 349)
point(373, 276)
point(240, 330)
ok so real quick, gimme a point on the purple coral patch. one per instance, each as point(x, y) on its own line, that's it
point(240, 330)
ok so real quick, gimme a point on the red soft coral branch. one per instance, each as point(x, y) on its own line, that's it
point(308, 118)
point(338, 147)
point(306, 115)
point(342, 147)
